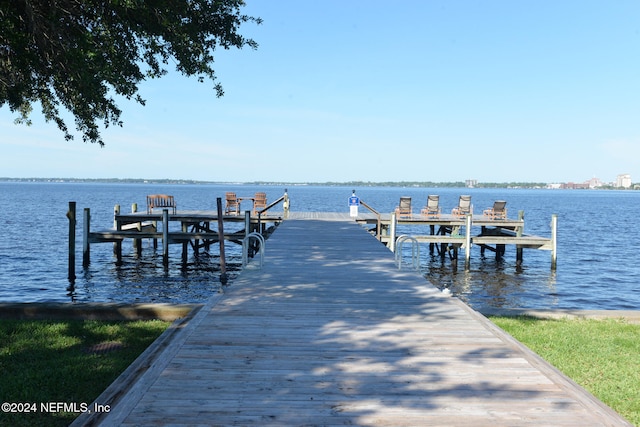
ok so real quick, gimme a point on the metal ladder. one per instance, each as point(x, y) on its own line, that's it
point(245, 248)
point(415, 251)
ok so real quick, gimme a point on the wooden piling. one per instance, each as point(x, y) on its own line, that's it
point(554, 239)
point(247, 231)
point(519, 232)
point(223, 263)
point(285, 204)
point(185, 245)
point(71, 215)
point(432, 232)
point(467, 243)
point(86, 245)
point(117, 245)
point(165, 237)
point(392, 232)
point(137, 243)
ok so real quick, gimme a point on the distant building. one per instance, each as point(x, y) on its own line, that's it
point(471, 183)
point(595, 183)
point(623, 181)
point(575, 185)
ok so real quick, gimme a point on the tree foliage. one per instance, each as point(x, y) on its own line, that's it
point(78, 55)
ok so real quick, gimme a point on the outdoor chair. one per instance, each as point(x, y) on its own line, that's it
point(464, 207)
point(259, 202)
point(404, 208)
point(498, 211)
point(432, 209)
point(232, 206)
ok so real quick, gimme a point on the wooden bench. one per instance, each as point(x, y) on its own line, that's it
point(160, 201)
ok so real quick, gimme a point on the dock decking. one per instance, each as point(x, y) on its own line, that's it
point(329, 332)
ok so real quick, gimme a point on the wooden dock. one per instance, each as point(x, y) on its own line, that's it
point(447, 234)
point(450, 233)
point(330, 332)
point(195, 229)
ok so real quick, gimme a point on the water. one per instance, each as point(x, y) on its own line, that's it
point(598, 240)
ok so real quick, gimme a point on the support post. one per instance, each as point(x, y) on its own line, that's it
point(467, 243)
point(86, 245)
point(223, 263)
point(185, 245)
point(137, 243)
point(392, 232)
point(117, 245)
point(165, 237)
point(285, 204)
point(196, 242)
point(247, 230)
point(247, 223)
point(519, 232)
point(207, 242)
point(71, 215)
point(432, 232)
point(554, 240)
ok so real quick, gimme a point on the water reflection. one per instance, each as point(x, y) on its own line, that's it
point(142, 277)
point(491, 283)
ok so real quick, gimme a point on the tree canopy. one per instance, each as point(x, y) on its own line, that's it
point(78, 55)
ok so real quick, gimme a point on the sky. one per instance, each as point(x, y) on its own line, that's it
point(372, 90)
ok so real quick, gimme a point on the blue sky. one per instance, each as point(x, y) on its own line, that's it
point(338, 90)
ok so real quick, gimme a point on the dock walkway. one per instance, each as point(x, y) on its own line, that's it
point(329, 332)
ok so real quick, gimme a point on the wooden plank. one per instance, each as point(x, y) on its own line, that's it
point(110, 235)
point(330, 332)
point(522, 241)
point(174, 236)
point(436, 238)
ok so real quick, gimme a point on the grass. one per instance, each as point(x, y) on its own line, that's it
point(53, 361)
point(603, 356)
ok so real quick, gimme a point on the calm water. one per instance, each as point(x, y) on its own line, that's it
point(598, 242)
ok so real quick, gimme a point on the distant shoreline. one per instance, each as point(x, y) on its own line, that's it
point(354, 184)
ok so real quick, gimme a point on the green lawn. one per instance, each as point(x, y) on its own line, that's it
point(53, 363)
point(603, 356)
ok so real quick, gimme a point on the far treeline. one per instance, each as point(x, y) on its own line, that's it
point(430, 184)
point(353, 184)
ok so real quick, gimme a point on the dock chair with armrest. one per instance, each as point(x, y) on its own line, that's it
point(498, 211)
point(259, 202)
point(232, 205)
point(404, 207)
point(432, 209)
point(464, 207)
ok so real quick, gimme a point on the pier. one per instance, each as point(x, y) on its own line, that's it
point(445, 234)
point(195, 228)
point(330, 332)
point(449, 233)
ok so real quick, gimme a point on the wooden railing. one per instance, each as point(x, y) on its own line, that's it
point(285, 204)
point(377, 214)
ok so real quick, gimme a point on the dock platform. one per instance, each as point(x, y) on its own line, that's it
point(330, 332)
point(448, 233)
